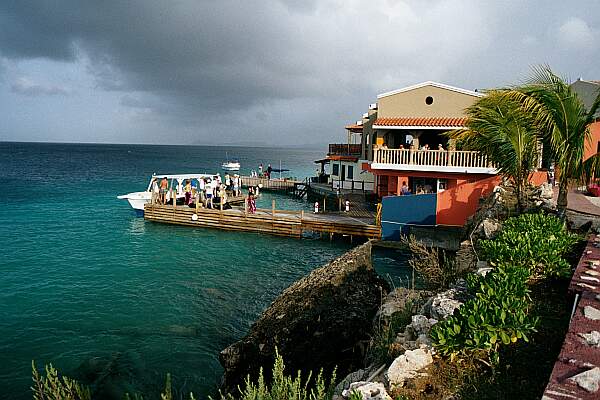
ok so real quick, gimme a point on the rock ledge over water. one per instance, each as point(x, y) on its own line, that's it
point(319, 321)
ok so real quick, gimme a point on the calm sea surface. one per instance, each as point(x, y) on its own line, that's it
point(95, 290)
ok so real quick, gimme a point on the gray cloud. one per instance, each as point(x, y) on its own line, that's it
point(214, 64)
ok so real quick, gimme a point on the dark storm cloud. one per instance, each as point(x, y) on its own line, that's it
point(304, 67)
point(206, 54)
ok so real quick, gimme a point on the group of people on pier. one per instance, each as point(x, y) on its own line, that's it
point(206, 192)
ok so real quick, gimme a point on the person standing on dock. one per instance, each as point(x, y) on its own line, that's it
point(269, 170)
point(260, 170)
point(209, 193)
point(188, 192)
point(201, 190)
point(236, 184)
point(164, 186)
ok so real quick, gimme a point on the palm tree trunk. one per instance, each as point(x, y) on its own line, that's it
point(561, 203)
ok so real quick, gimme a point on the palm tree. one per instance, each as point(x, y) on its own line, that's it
point(564, 123)
point(498, 127)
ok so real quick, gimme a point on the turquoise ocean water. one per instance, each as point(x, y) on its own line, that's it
point(90, 287)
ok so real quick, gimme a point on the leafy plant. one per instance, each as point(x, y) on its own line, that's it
point(284, 387)
point(536, 241)
point(498, 314)
point(53, 387)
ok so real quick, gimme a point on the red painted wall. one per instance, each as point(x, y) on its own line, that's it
point(460, 201)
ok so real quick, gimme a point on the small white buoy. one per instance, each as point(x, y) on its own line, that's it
point(316, 207)
point(347, 205)
point(194, 217)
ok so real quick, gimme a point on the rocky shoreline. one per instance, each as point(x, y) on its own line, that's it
point(326, 319)
point(321, 321)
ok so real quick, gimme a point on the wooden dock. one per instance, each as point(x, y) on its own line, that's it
point(275, 222)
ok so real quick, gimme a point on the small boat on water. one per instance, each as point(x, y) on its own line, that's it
point(231, 166)
point(137, 200)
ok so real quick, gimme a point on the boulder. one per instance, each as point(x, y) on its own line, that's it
point(320, 321)
point(416, 333)
point(357, 376)
point(546, 191)
point(490, 227)
point(368, 390)
point(398, 301)
point(408, 365)
point(442, 305)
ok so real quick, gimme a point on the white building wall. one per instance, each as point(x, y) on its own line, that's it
point(360, 180)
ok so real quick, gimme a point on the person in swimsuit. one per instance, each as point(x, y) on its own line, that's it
point(164, 186)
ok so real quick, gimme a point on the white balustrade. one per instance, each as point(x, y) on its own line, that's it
point(441, 158)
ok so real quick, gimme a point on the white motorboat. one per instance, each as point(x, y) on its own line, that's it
point(137, 200)
point(231, 166)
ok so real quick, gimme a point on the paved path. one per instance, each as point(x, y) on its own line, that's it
point(580, 202)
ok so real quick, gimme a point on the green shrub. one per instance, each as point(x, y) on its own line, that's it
point(284, 387)
point(536, 241)
point(53, 387)
point(497, 314)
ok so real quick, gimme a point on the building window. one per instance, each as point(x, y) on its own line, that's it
point(429, 100)
point(335, 169)
point(350, 172)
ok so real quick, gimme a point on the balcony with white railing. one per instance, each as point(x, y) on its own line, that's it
point(473, 162)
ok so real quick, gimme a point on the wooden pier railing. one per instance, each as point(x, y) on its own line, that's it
point(269, 184)
point(275, 222)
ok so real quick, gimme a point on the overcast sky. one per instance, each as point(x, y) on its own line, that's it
point(276, 72)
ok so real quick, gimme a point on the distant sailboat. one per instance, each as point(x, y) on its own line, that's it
point(230, 165)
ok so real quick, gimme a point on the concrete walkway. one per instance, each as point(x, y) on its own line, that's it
point(580, 202)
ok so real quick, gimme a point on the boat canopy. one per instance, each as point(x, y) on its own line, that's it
point(181, 177)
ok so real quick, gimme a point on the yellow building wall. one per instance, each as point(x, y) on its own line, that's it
point(446, 103)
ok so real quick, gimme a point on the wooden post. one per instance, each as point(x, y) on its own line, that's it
point(339, 204)
point(324, 204)
point(174, 198)
point(273, 208)
point(245, 205)
point(301, 215)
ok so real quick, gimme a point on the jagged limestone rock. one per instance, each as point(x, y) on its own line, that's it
point(442, 305)
point(368, 390)
point(408, 365)
point(490, 227)
point(322, 320)
point(357, 376)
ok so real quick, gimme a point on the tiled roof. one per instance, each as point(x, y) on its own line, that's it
point(427, 122)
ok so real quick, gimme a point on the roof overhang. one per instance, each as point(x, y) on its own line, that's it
point(440, 123)
point(417, 127)
point(434, 84)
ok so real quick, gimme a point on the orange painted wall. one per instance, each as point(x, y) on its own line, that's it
point(460, 201)
point(538, 178)
point(592, 146)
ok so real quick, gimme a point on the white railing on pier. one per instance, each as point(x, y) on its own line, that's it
point(441, 158)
